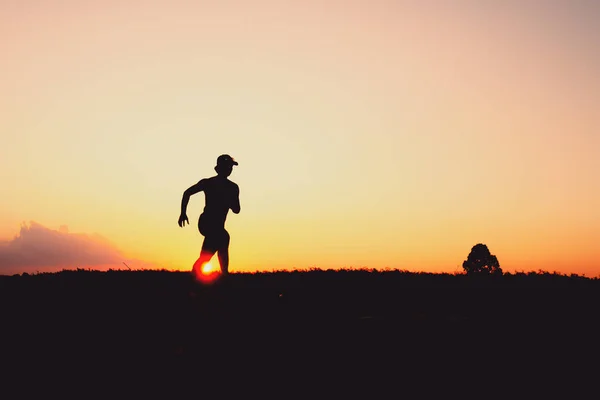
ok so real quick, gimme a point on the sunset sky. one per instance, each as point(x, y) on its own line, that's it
point(373, 133)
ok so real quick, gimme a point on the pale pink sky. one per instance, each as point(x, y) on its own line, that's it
point(369, 133)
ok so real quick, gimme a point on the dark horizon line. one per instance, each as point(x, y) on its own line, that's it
point(539, 272)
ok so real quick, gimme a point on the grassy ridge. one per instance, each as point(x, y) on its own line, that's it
point(344, 329)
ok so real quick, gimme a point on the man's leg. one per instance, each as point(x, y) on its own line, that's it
point(208, 250)
point(223, 253)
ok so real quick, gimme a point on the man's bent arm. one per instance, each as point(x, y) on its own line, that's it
point(235, 205)
point(184, 202)
point(198, 187)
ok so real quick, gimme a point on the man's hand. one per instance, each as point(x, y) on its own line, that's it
point(182, 220)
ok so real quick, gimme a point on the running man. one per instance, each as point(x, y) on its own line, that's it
point(221, 195)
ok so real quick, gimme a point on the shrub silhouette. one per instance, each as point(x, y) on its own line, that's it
point(481, 261)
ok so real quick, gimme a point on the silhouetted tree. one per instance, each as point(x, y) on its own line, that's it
point(480, 261)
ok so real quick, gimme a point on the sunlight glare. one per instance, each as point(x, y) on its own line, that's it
point(208, 273)
point(207, 269)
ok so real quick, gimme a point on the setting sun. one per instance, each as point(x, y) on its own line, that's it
point(208, 273)
point(208, 269)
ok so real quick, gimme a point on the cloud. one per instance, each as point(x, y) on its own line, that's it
point(37, 248)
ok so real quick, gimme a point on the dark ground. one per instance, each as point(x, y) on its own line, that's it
point(312, 334)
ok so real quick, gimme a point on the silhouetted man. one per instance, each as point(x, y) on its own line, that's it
point(221, 195)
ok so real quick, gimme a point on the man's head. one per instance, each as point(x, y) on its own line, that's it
point(225, 165)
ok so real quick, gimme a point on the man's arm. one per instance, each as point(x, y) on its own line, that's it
point(235, 203)
point(198, 187)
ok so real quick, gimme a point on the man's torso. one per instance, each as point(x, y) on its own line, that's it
point(219, 194)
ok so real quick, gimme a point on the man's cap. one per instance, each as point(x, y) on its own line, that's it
point(226, 159)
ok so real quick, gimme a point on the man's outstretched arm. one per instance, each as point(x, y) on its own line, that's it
point(198, 187)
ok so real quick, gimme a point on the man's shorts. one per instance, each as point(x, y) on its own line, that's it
point(214, 231)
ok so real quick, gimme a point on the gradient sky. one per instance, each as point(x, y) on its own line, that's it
point(369, 133)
